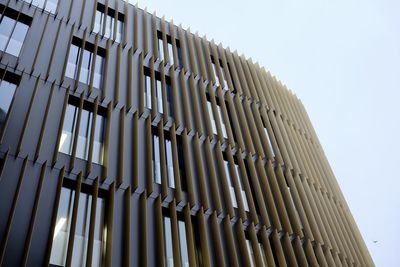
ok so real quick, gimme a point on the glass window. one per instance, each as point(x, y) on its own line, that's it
point(48, 5)
point(215, 74)
point(170, 100)
point(7, 91)
point(224, 134)
point(170, 163)
point(230, 184)
point(83, 142)
point(86, 65)
point(181, 161)
point(108, 29)
point(147, 91)
point(243, 193)
point(212, 119)
point(156, 159)
point(169, 49)
point(169, 254)
point(183, 244)
point(250, 252)
point(160, 107)
point(81, 236)
point(12, 35)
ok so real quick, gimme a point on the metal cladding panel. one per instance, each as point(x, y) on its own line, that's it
point(238, 163)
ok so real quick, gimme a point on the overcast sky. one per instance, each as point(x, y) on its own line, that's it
point(342, 59)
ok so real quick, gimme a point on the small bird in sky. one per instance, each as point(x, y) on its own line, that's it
point(375, 241)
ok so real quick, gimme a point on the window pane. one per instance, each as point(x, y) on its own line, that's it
point(160, 49)
point(156, 159)
point(17, 39)
point(210, 112)
point(243, 193)
point(109, 23)
point(147, 91)
point(168, 242)
point(62, 227)
point(7, 91)
point(160, 107)
point(82, 230)
point(97, 22)
point(6, 27)
point(120, 31)
point(215, 74)
point(250, 251)
point(51, 6)
point(170, 100)
point(99, 236)
point(73, 59)
point(170, 163)
point(84, 134)
point(183, 244)
point(230, 184)
point(98, 140)
point(98, 72)
point(68, 131)
point(222, 122)
point(85, 67)
point(170, 54)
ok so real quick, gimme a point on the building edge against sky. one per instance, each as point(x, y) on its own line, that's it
point(125, 140)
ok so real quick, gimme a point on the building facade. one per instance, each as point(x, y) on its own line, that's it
point(128, 141)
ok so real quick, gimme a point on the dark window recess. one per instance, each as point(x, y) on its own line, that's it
point(181, 159)
point(2, 163)
point(197, 241)
point(169, 49)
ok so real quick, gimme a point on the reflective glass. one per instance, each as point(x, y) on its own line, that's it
point(120, 31)
point(82, 147)
point(6, 28)
point(85, 67)
point(230, 184)
point(170, 100)
point(98, 140)
point(215, 74)
point(147, 91)
point(98, 72)
point(99, 243)
point(62, 227)
point(212, 119)
point(168, 242)
point(170, 54)
point(73, 59)
point(7, 91)
point(243, 193)
point(68, 131)
point(183, 244)
point(17, 39)
point(224, 134)
point(170, 163)
point(160, 107)
point(156, 159)
point(98, 21)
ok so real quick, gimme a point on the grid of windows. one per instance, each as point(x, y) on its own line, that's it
point(48, 5)
point(8, 85)
point(13, 30)
point(81, 61)
point(74, 213)
point(109, 24)
point(81, 121)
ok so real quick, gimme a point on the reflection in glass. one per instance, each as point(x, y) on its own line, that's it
point(82, 226)
point(212, 119)
point(147, 91)
point(160, 107)
point(224, 134)
point(170, 163)
point(183, 244)
point(250, 252)
point(108, 29)
point(156, 159)
point(230, 184)
point(12, 35)
point(243, 193)
point(169, 255)
point(67, 135)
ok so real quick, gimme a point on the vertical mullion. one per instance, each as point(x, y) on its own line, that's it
point(154, 105)
point(166, 58)
point(135, 28)
point(196, 109)
point(278, 249)
point(149, 156)
point(114, 37)
point(105, 78)
point(129, 87)
point(212, 177)
point(159, 233)
point(175, 234)
point(164, 99)
point(267, 248)
point(218, 250)
point(200, 172)
point(189, 236)
point(164, 175)
point(74, 216)
point(79, 67)
point(174, 45)
point(253, 128)
point(89, 255)
point(60, 127)
point(175, 100)
point(107, 143)
point(242, 120)
point(182, 46)
point(193, 63)
point(225, 116)
point(143, 226)
point(255, 245)
point(145, 21)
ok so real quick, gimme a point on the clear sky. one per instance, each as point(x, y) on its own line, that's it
point(342, 59)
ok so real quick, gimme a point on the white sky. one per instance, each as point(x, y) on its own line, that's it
point(342, 58)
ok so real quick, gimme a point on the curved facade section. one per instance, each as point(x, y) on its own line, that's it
point(128, 141)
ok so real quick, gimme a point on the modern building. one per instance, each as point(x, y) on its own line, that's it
point(128, 141)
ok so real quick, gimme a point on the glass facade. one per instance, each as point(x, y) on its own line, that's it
point(7, 91)
point(89, 61)
point(105, 24)
point(48, 5)
point(64, 222)
point(168, 243)
point(169, 50)
point(12, 35)
point(83, 141)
